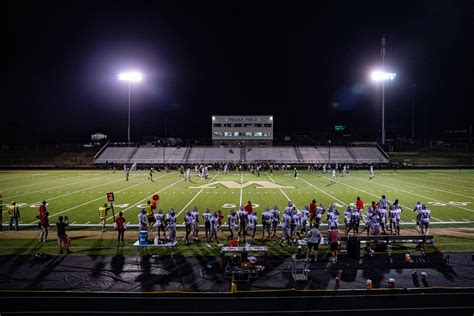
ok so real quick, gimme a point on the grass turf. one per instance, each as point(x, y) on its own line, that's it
point(78, 194)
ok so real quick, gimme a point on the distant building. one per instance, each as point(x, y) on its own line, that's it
point(242, 129)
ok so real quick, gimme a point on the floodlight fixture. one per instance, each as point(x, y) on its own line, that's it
point(378, 75)
point(132, 76)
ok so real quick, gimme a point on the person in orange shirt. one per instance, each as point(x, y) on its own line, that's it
point(359, 204)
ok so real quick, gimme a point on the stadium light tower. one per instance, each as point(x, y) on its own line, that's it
point(382, 76)
point(130, 77)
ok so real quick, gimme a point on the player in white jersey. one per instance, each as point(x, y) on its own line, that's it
point(187, 176)
point(375, 223)
point(394, 215)
point(304, 218)
point(333, 177)
point(355, 221)
point(226, 169)
point(370, 217)
point(206, 217)
point(382, 213)
point(195, 222)
point(285, 227)
point(371, 172)
point(424, 216)
point(295, 223)
point(142, 222)
point(333, 217)
point(213, 221)
point(243, 222)
point(320, 210)
point(171, 221)
point(160, 224)
point(347, 220)
point(233, 222)
point(252, 220)
point(324, 168)
point(188, 223)
point(266, 222)
point(416, 209)
point(275, 219)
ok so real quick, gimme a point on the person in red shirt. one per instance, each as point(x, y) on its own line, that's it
point(333, 236)
point(312, 212)
point(359, 204)
point(120, 226)
point(248, 208)
point(42, 209)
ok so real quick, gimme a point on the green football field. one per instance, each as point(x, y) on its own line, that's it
point(78, 194)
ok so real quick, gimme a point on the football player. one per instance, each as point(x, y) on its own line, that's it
point(188, 222)
point(233, 221)
point(171, 223)
point(252, 219)
point(195, 223)
point(275, 219)
point(160, 224)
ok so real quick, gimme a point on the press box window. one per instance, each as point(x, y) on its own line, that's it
point(267, 125)
point(257, 125)
point(217, 125)
point(227, 134)
point(258, 134)
point(248, 134)
point(238, 125)
point(227, 125)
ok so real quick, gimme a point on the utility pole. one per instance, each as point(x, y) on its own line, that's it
point(413, 112)
point(382, 52)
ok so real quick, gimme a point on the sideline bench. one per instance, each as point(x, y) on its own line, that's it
point(391, 239)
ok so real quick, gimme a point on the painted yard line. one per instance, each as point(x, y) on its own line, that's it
point(377, 196)
point(177, 215)
point(452, 179)
point(43, 189)
point(335, 198)
point(287, 197)
point(427, 187)
point(85, 189)
point(101, 197)
point(241, 189)
point(414, 194)
point(29, 185)
point(147, 197)
point(435, 181)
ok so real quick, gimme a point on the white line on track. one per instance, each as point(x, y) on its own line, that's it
point(99, 198)
point(431, 188)
point(414, 194)
point(335, 198)
point(195, 197)
point(172, 184)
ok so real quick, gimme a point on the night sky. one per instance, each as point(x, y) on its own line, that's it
point(305, 62)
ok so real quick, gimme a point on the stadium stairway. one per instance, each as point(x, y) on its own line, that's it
point(298, 153)
point(132, 154)
point(242, 154)
point(349, 149)
point(187, 154)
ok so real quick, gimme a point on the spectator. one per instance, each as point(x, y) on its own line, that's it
point(314, 238)
point(14, 214)
point(359, 204)
point(333, 236)
point(120, 226)
point(62, 237)
point(42, 209)
point(44, 222)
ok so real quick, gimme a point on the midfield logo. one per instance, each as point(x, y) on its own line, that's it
point(236, 185)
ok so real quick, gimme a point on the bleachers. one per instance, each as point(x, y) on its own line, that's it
point(368, 154)
point(276, 154)
point(178, 155)
point(212, 154)
point(115, 154)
